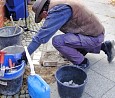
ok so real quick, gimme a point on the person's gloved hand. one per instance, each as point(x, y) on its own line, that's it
point(20, 56)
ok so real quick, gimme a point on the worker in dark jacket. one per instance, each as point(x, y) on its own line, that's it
point(83, 32)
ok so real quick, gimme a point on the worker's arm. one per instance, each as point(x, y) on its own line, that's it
point(57, 17)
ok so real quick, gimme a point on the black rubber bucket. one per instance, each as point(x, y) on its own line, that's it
point(9, 38)
point(68, 73)
point(11, 82)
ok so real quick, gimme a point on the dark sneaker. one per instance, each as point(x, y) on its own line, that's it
point(84, 65)
point(109, 50)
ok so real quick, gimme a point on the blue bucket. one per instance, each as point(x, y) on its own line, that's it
point(13, 75)
point(11, 82)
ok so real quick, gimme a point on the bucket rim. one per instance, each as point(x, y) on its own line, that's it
point(13, 34)
point(17, 74)
point(19, 46)
point(85, 81)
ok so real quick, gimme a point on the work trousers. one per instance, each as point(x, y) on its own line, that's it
point(69, 45)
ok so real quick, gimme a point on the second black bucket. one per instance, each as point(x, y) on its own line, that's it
point(67, 74)
point(10, 36)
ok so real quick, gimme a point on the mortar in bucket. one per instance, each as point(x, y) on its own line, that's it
point(71, 81)
point(9, 36)
point(11, 82)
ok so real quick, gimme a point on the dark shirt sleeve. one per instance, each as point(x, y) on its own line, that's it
point(57, 17)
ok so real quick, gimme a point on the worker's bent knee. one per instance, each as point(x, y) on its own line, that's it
point(57, 41)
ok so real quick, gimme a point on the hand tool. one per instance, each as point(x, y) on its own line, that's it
point(1, 62)
point(17, 25)
point(13, 24)
point(11, 65)
point(37, 87)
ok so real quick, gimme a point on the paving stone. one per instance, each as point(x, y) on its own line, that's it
point(109, 36)
point(110, 93)
point(3, 96)
point(22, 96)
point(94, 58)
point(105, 69)
point(101, 8)
point(99, 1)
point(16, 96)
point(97, 85)
point(85, 95)
point(27, 96)
point(22, 92)
point(54, 91)
point(9, 96)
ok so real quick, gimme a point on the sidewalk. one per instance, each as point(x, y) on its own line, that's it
point(101, 75)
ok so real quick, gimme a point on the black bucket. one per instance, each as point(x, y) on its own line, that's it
point(9, 38)
point(66, 74)
point(11, 83)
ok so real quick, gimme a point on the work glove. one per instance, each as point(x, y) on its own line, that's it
point(21, 56)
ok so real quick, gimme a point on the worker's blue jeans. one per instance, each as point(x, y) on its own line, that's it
point(67, 45)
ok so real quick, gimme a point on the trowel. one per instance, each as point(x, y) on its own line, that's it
point(11, 65)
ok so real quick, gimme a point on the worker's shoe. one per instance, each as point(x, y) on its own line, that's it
point(108, 48)
point(84, 65)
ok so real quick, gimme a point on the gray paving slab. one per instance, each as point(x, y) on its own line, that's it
point(110, 21)
point(97, 85)
point(99, 1)
point(101, 8)
point(85, 95)
point(109, 37)
point(105, 69)
point(108, 24)
point(110, 93)
point(54, 91)
point(94, 58)
point(105, 12)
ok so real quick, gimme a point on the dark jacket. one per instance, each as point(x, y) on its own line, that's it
point(83, 21)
